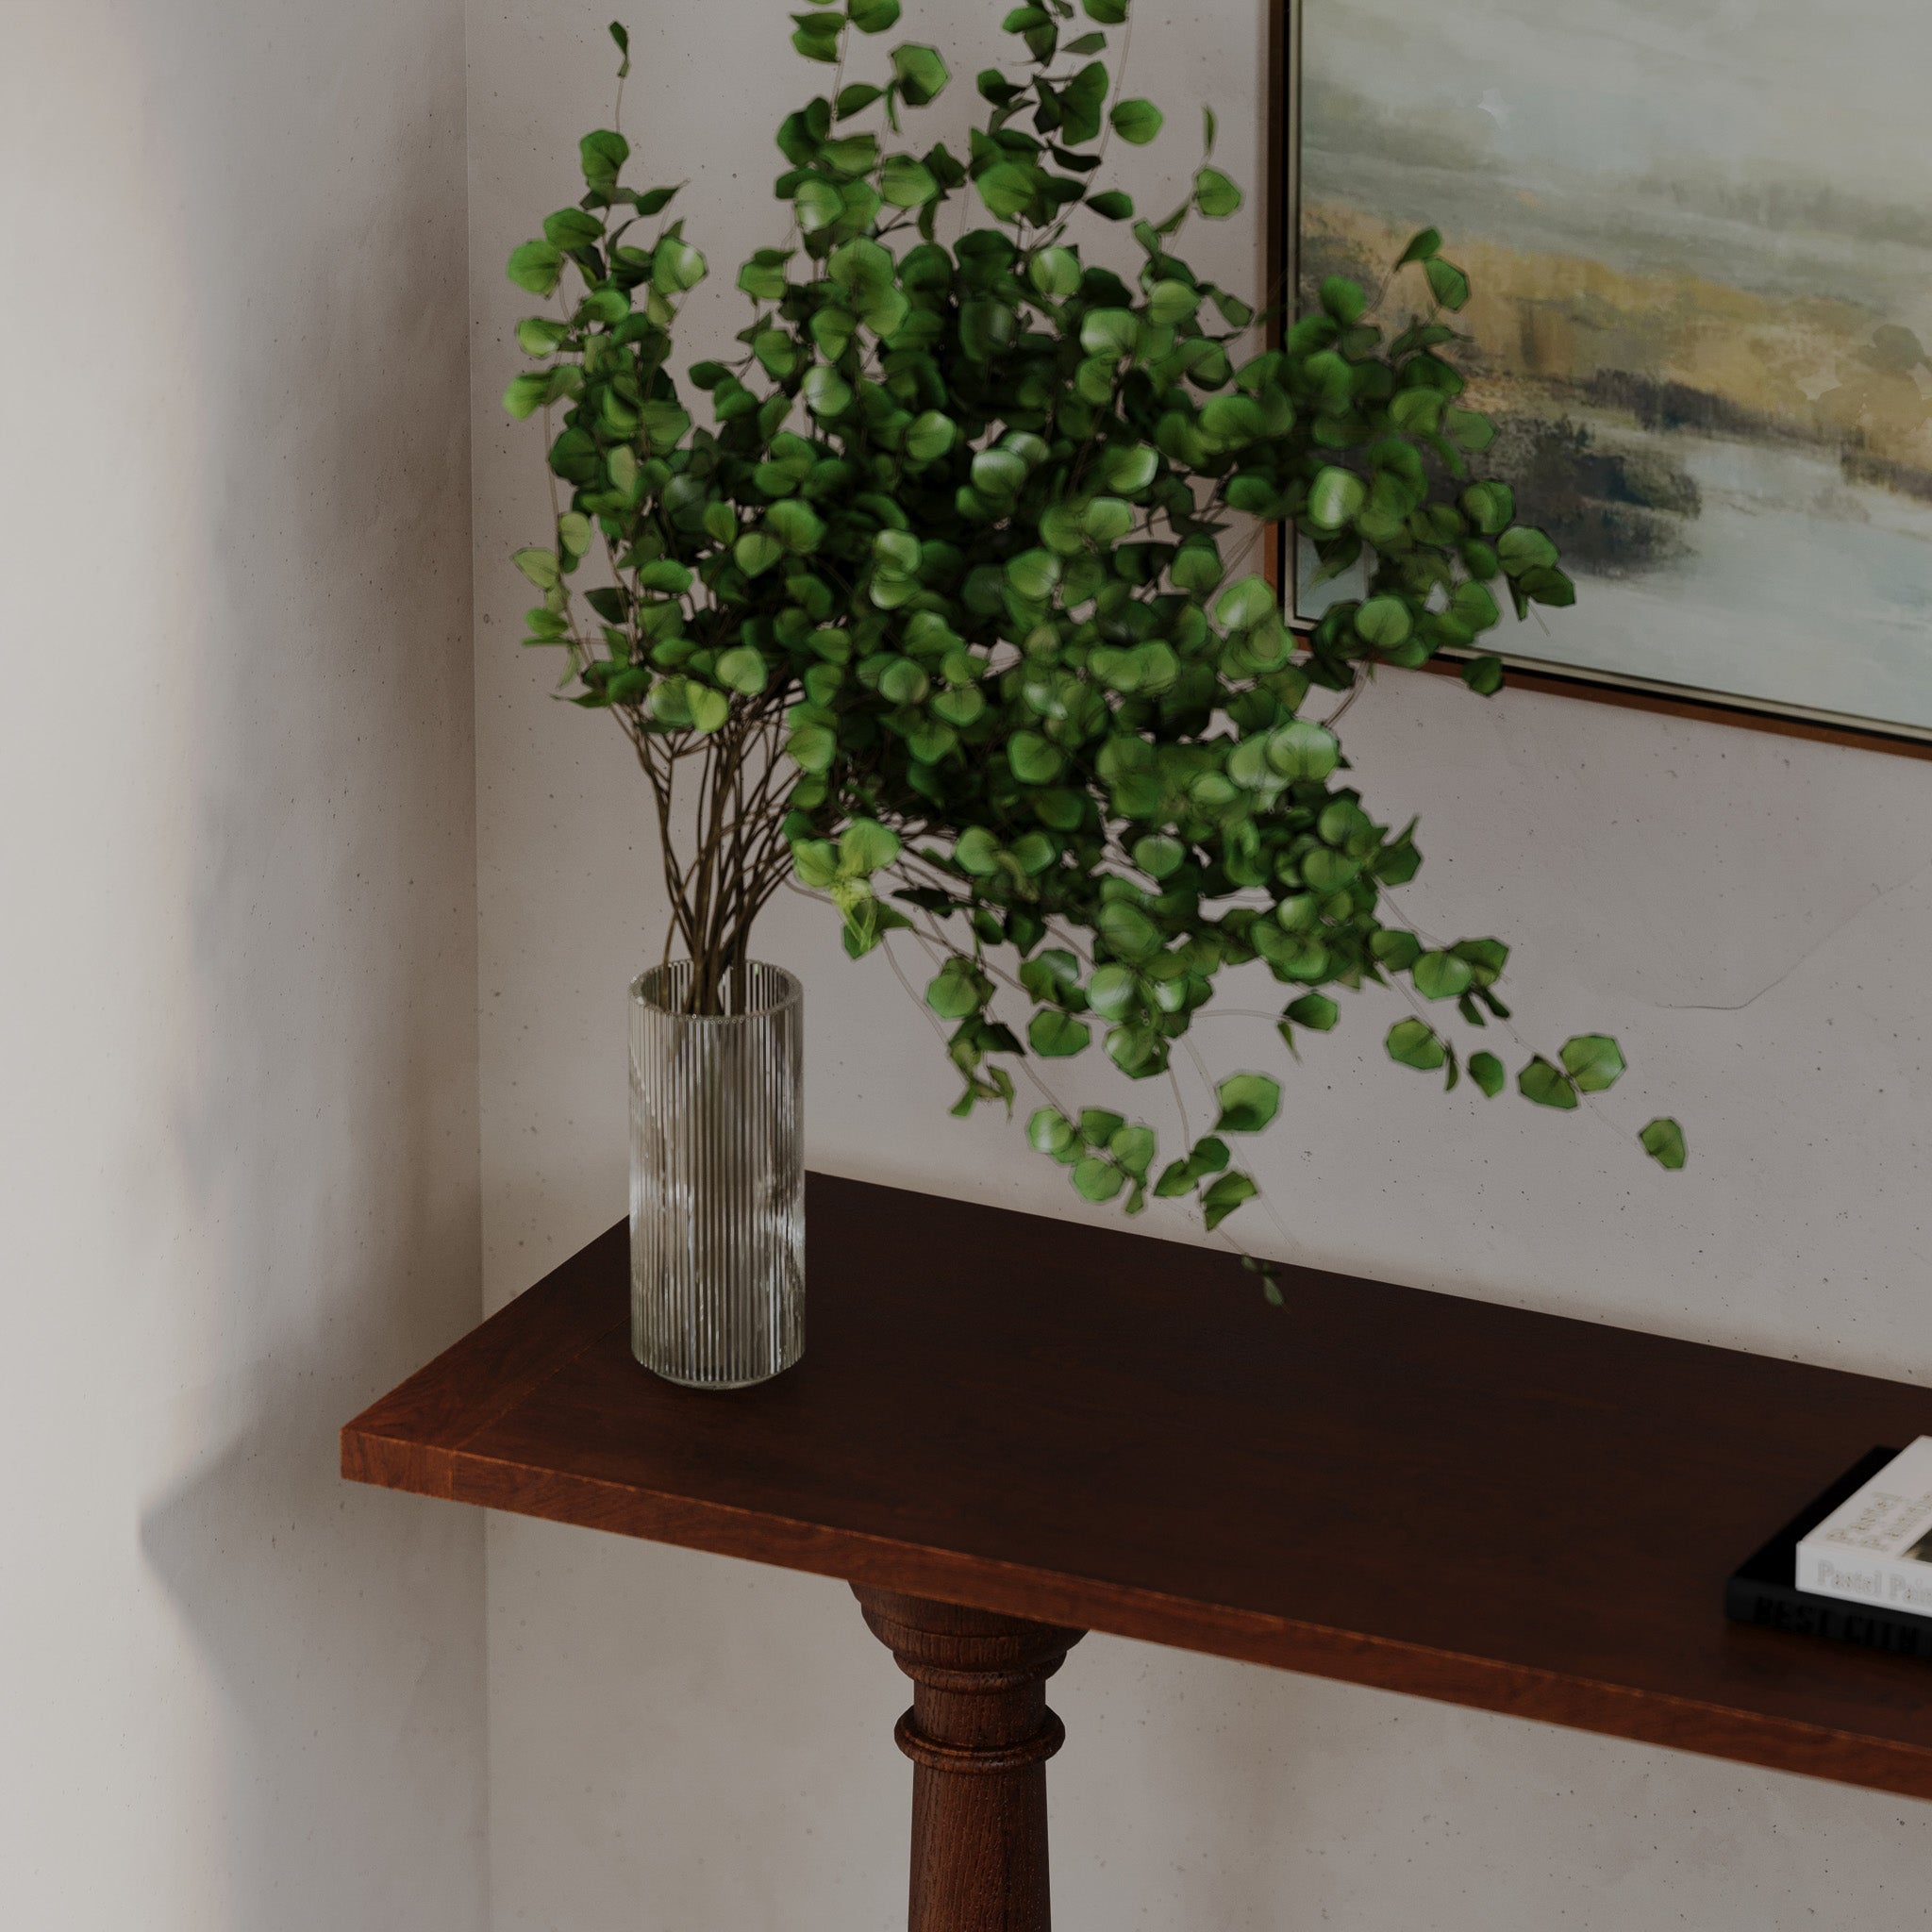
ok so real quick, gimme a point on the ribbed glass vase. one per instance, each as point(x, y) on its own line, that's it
point(717, 1181)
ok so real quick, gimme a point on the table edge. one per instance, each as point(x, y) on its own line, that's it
point(371, 1455)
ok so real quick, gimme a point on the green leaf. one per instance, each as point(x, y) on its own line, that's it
point(1343, 299)
point(1055, 272)
point(1546, 1085)
point(526, 395)
point(1474, 605)
point(1108, 13)
point(1396, 950)
point(1196, 565)
point(1033, 572)
point(978, 852)
point(1484, 676)
point(1128, 467)
point(1440, 976)
point(1215, 195)
point(1243, 606)
point(1421, 248)
point(665, 574)
point(955, 991)
point(1170, 303)
point(1095, 1179)
point(1225, 1196)
point(1304, 750)
point(539, 334)
point(1158, 856)
point(1384, 622)
point(818, 205)
point(1334, 497)
point(815, 863)
point(1128, 931)
point(756, 551)
point(764, 281)
point(1488, 506)
point(539, 566)
point(1098, 1126)
point(1136, 120)
point(817, 36)
point(796, 525)
point(1549, 587)
point(575, 532)
point(603, 154)
point(1112, 204)
point(1248, 1103)
point(573, 228)
point(708, 709)
point(865, 846)
point(1133, 1148)
point(1593, 1060)
point(1049, 1131)
point(1056, 1036)
point(1413, 1044)
point(744, 669)
point(872, 16)
point(1523, 548)
point(1112, 989)
point(1033, 760)
point(1007, 189)
point(826, 391)
point(905, 182)
point(1110, 332)
point(536, 266)
point(999, 473)
point(1448, 284)
point(921, 73)
point(1486, 1069)
point(929, 437)
point(1663, 1140)
point(1315, 1011)
point(814, 747)
point(676, 266)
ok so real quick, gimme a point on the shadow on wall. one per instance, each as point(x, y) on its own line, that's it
point(308, 1604)
point(323, 1136)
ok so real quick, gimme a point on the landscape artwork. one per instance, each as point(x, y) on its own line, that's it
point(1700, 238)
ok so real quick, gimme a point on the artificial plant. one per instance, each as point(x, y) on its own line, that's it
point(945, 612)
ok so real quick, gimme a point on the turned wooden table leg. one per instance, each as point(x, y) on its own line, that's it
point(978, 1734)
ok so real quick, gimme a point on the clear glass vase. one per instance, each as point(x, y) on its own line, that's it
point(717, 1181)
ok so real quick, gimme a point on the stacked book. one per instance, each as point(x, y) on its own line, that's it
point(1857, 1565)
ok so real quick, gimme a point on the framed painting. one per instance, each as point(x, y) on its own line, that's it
point(1699, 234)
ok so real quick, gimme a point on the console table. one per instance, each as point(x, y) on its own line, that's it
point(1007, 1431)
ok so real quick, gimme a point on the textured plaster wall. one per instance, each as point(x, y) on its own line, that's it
point(238, 1137)
point(683, 1742)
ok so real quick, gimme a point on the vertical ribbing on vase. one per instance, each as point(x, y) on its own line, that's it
point(717, 1181)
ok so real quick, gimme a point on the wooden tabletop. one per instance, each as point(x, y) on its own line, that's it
point(1498, 1509)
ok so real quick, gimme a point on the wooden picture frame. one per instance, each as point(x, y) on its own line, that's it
point(1284, 219)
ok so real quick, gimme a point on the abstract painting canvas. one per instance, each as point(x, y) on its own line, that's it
point(1700, 238)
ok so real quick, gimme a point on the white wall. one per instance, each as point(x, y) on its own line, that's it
point(683, 1742)
point(236, 826)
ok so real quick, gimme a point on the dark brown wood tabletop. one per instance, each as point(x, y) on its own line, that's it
point(1101, 1430)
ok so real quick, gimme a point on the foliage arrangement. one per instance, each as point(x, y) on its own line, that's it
point(945, 613)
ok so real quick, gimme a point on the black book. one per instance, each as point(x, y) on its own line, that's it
point(1762, 1591)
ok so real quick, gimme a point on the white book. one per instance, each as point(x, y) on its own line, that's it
point(1876, 1546)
